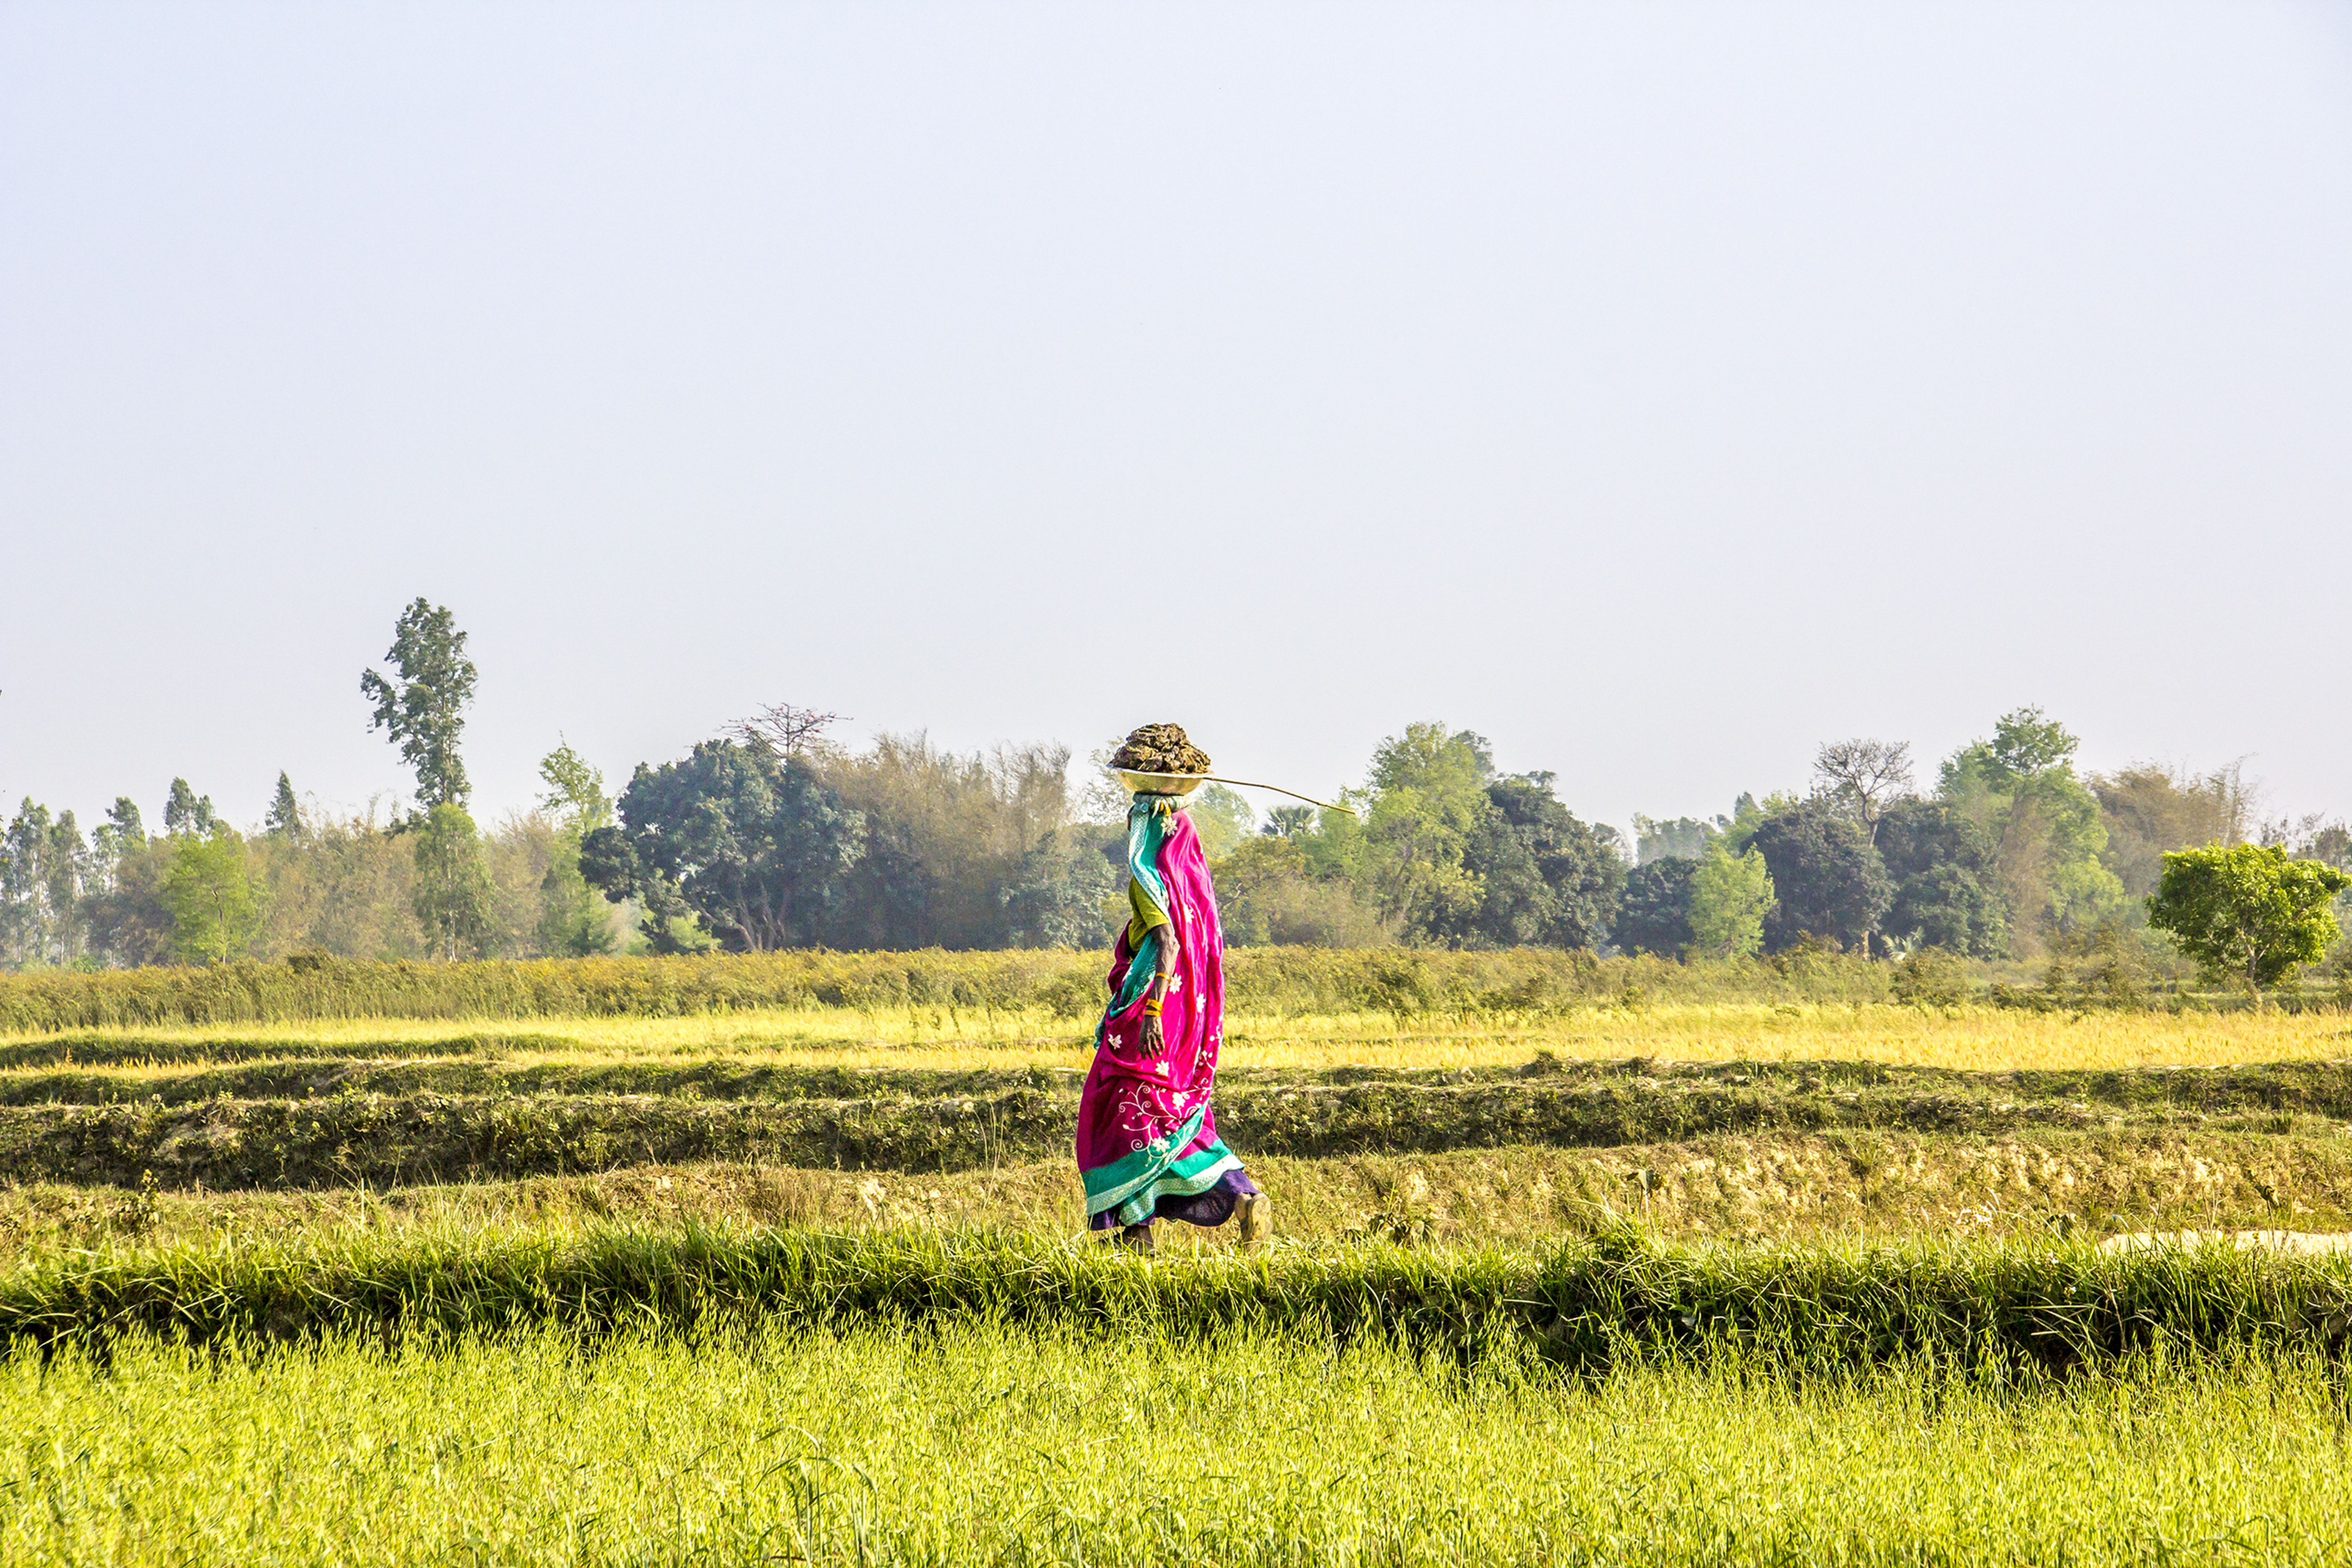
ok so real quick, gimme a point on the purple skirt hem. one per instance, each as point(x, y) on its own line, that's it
point(1210, 1208)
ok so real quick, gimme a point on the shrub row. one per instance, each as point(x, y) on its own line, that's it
point(1061, 984)
point(1586, 1305)
point(953, 1122)
point(1804, 1093)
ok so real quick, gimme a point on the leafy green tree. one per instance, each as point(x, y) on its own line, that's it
point(1545, 879)
point(575, 918)
point(575, 793)
point(2151, 808)
point(1827, 879)
point(284, 818)
point(1429, 801)
point(213, 895)
point(2021, 787)
point(1066, 880)
point(1655, 915)
point(1267, 893)
point(451, 893)
point(750, 844)
point(1731, 898)
point(424, 709)
point(123, 826)
point(2247, 912)
point(1222, 818)
point(1947, 875)
point(128, 921)
point(186, 811)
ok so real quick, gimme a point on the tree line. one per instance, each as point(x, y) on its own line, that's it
point(774, 835)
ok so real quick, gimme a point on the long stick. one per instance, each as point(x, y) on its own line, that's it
point(1245, 784)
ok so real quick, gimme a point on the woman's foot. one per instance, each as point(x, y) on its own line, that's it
point(1137, 1236)
point(1255, 1211)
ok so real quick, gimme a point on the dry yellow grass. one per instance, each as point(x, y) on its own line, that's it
point(1975, 1039)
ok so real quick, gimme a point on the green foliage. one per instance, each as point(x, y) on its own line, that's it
point(481, 1115)
point(451, 893)
point(284, 818)
point(1545, 879)
point(1429, 803)
point(1828, 879)
point(1731, 896)
point(2020, 788)
point(1222, 818)
point(186, 813)
point(1268, 895)
point(46, 871)
point(2149, 809)
point(1591, 1305)
point(748, 844)
point(213, 895)
point(1065, 883)
point(1684, 838)
point(574, 920)
point(424, 709)
point(1655, 915)
point(575, 793)
point(2247, 912)
point(1946, 872)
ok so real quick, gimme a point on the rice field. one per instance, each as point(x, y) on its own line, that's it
point(999, 1444)
point(942, 1038)
point(1714, 1279)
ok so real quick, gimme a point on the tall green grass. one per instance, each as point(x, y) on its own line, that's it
point(1064, 983)
point(1591, 1304)
point(990, 1443)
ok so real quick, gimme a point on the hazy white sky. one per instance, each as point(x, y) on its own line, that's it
point(1659, 390)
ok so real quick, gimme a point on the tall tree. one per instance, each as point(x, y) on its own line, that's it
point(575, 793)
point(1429, 799)
point(574, 918)
point(213, 895)
point(2021, 786)
point(750, 845)
point(1947, 874)
point(122, 817)
point(1655, 915)
point(1545, 879)
point(451, 894)
point(2151, 808)
point(1682, 839)
point(1731, 898)
point(186, 813)
point(284, 818)
point(424, 708)
point(1827, 877)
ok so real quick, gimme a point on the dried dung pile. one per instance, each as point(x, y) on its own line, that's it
point(1160, 749)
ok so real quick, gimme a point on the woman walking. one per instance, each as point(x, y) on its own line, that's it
point(1148, 1146)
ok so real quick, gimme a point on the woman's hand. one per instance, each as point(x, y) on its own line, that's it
point(1154, 1039)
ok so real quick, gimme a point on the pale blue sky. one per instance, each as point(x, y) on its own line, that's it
point(1657, 389)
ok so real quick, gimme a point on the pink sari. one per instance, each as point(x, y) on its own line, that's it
point(1148, 1143)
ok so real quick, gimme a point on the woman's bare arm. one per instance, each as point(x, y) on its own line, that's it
point(1155, 1038)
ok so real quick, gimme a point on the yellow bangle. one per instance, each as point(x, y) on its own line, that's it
point(1150, 1008)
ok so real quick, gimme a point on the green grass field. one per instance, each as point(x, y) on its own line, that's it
point(998, 1445)
point(780, 1260)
